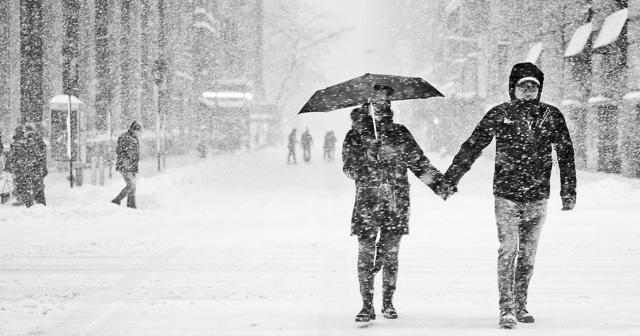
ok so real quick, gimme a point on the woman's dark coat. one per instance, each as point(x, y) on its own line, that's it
point(382, 186)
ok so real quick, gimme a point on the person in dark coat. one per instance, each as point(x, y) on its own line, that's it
point(3, 161)
point(306, 141)
point(526, 132)
point(381, 212)
point(128, 156)
point(28, 164)
point(329, 146)
point(292, 147)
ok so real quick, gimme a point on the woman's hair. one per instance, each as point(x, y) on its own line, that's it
point(357, 114)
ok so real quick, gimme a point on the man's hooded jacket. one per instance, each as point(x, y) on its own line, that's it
point(525, 132)
point(128, 151)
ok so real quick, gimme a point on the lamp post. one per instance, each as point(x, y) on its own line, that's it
point(159, 76)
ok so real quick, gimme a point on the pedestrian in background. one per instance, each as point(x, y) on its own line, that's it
point(28, 163)
point(2, 156)
point(128, 156)
point(329, 146)
point(526, 132)
point(306, 141)
point(292, 147)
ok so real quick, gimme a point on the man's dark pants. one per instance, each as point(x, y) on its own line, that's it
point(129, 191)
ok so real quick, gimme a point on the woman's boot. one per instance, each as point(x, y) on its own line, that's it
point(367, 313)
point(387, 308)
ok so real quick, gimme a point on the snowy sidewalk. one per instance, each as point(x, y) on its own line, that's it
point(247, 245)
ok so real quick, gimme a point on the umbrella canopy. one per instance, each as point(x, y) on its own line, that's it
point(358, 90)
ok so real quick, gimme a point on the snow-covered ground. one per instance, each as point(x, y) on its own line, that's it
point(246, 245)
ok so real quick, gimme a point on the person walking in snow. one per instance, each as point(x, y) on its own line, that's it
point(526, 132)
point(292, 147)
point(306, 141)
point(2, 156)
point(128, 156)
point(380, 218)
point(28, 163)
point(329, 146)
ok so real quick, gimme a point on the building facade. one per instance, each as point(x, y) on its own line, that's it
point(589, 51)
point(126, 49)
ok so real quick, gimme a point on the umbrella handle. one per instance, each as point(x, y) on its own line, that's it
point(373, 119)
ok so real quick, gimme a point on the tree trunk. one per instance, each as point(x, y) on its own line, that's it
point(71, 11)
point(147, 54)
point(31, 61)
point(5, 71)
point(104, 89)
point(126, 91)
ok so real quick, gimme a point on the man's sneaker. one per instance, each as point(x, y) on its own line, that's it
point(367, 314)
point(523, 316)
point(507, 319)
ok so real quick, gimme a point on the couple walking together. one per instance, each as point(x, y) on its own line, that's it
point(526, 131)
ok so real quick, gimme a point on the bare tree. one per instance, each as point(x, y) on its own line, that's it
point(104, 74)
point(71, 12)
point(147, 55)
point(126, 65)
point(31, 61)
point(298, 35)
point(5, 68)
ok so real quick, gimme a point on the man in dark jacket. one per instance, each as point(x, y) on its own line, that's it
point(128, 152)
point(526, 131)
point(379, 165)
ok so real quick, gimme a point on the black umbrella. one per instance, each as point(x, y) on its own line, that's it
point(359, 90)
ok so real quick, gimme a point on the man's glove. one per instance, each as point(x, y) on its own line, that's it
point(568, 203)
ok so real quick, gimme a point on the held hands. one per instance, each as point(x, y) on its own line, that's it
point(445, 189)
point(568, 203)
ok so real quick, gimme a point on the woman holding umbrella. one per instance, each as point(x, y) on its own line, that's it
point(377, 154)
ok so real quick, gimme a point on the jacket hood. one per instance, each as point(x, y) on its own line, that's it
point(522, 70)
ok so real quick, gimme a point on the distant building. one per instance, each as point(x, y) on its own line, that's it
point(208, 44)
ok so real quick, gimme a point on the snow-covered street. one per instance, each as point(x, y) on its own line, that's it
point(245, 244)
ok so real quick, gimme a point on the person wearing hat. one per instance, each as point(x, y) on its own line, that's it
point(378, 160)
point(128, 156)
point(526, 131)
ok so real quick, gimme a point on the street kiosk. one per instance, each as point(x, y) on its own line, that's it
point(68, 136)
